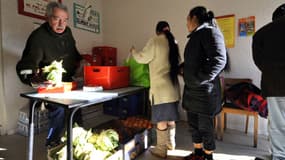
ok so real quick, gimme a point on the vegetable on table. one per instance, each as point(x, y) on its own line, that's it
point(54, 72)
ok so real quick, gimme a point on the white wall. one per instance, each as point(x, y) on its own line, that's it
point(126, 23)
point(132, 22)
point(15, 31)
point(2, 103)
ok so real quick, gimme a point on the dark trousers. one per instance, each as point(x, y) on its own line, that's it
point(56, 116)
point(56, 122)
point(202, 129)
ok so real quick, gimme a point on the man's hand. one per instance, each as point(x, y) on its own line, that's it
point(37, 80)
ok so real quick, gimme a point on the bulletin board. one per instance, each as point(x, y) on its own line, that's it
point(227, 26)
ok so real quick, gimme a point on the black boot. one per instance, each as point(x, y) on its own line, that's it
point(208, 156)
point(198, 154)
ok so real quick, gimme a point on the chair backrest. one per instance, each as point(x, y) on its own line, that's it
point(228, 82)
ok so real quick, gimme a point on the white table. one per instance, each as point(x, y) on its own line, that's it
point(73, 101)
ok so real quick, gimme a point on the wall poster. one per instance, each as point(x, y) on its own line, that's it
point(86, 18)
point(33, 8)
point(227, 26)
point(246, 26)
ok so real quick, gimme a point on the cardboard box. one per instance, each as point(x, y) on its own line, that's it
point(133, 141)
point(118, 155)
point(137, 145)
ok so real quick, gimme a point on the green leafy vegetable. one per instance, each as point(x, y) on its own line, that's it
point(54, 72)
point(90, 146)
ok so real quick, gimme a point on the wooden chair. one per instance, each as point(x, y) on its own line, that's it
point(228, 109)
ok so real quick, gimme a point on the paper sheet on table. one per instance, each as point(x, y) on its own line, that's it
point(76, 95)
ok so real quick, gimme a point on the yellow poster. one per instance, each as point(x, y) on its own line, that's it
point(227, 26)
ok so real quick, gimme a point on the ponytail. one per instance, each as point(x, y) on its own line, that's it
point(173, 58)
point(202, 15)
point(210, 17)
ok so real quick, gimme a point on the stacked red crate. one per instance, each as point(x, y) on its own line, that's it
point(104, 56)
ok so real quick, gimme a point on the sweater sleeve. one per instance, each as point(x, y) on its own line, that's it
point(147, 54)
point(215, 52)
point(31, 57)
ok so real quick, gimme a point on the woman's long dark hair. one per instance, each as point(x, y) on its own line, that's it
point(202, 15)
point(174, 57)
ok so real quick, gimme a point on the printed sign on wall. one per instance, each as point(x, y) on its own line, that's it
point(227, 26)
point(86, 18)
point(246, 26)
point(33, 8)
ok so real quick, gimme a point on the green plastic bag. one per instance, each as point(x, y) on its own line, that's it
point(139, 73)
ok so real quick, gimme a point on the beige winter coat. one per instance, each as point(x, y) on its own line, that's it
point(155, 53)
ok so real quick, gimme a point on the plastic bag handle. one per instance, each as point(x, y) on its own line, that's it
point(129, 56)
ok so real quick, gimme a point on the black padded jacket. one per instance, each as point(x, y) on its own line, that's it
point(268, 50)
point(44, 46)
point(204, 59)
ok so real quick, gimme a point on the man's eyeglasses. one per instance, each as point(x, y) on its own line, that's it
point(58, 19)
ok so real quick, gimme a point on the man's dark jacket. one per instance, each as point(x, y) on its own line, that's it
point(204, 59)
point(44, 46)
point(268, 47)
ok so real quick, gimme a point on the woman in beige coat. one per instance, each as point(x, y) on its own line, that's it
point(162, 55)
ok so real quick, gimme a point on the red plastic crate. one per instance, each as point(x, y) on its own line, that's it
point(110, 77)
point(88, 58)
point(97, 59)
point(106, 56)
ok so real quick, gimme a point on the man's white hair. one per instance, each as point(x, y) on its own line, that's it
point(52, 5)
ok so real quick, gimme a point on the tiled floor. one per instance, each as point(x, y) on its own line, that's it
point(235, 146)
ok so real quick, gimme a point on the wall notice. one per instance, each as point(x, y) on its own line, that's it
point(246, 26)
point(86, 18)
point(227, 26)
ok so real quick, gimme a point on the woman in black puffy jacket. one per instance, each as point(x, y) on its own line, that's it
point(205, 58)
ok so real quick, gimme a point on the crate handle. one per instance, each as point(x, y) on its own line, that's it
point(120, 70)
point(96, 70)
